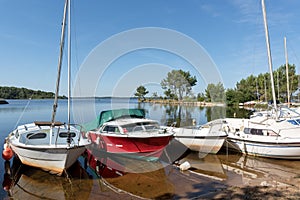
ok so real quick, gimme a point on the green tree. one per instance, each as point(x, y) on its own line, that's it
point(141, 91)
point(215, 93)
point(248, 88)
point(232, 97)
point(200, 97)
point(178, 83)
point(280, 80)
point(154, 95)
point(169, 94)
point(259, 87)
point(24, 93)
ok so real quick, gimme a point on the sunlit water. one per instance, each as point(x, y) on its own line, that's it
point(131, 179)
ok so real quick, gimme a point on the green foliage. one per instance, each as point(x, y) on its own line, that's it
point(141, 91)
point(169, 94)
point(246, 87)
point(231, 97)
point(23, 93)
point(154, 95)
point(215, 92)
point(201, 97)
point(178, 84)
point(259, 87)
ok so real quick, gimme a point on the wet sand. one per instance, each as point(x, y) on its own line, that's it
point(191, 185)
point(257, 178)
point(239, 182)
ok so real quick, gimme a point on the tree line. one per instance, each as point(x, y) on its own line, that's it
point(259, 87)
point(178, 86)
point(24, 93)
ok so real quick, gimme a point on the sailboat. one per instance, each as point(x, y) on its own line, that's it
point(274, 134)
point(52, 146)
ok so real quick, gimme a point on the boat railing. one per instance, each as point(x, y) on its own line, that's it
point(79, 134)
point(82, 134)
point(216, 126)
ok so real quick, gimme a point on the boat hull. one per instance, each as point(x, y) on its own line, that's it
point(55, 160)
point(201, 140)
point(276, 149)
point(146, 148)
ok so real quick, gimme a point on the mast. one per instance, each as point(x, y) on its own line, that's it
point(69, 72)
point(69, 63)
point(62, 39)
point(269, 55)
point(278, 95)
point(287, 73)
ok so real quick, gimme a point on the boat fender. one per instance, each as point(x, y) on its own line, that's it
point(185, 166)
point(98, 140)
point(226, 129)
point(7, 153)
point(242, 128)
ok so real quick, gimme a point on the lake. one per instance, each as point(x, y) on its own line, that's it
point(131, 179)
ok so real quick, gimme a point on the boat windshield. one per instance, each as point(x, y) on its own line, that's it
point(146, 126)
point(294, 121)
point(263, 132)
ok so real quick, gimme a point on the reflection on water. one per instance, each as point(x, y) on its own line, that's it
point(27, 182)
point(136, 177)
point(109, 177)
point(209, 165)
point(246, 170)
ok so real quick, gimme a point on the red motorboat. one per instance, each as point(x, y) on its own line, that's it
point(127, 132)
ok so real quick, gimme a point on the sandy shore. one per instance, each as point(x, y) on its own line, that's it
point(192, 186)
point(269, 188)
point(254, 192)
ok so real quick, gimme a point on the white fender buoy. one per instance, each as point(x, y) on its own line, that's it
point(184, 166)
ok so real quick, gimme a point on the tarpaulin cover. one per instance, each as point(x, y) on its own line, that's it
point(110, 115)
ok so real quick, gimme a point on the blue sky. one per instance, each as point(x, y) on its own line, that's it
point(230, 32)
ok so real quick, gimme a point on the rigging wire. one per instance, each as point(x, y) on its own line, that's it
point(25, 108)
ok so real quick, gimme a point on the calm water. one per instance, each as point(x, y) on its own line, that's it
point(131, 179)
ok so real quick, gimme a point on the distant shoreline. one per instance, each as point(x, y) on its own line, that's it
point(151, 101)
point(186, 103)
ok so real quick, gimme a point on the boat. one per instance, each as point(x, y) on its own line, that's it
point(3, 101)
point(50, 145)
point(264, 136)
point(271, 134)
point(207, 138)
point(127, 132)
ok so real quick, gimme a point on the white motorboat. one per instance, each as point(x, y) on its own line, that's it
point(52, 146)
point(274, 134)
point(207, 138)
point(264, 136)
